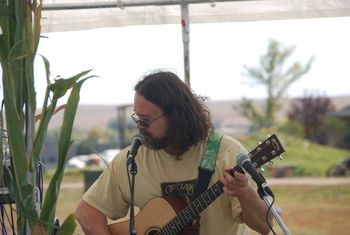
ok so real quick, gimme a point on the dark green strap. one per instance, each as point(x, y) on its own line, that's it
point(207, 166)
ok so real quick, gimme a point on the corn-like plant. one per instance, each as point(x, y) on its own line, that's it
point(19, 38)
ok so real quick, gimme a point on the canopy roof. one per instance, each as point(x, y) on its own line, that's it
point(68, 15)
point(73, 15)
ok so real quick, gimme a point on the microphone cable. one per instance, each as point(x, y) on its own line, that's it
point(267, 216)
point(261, 192)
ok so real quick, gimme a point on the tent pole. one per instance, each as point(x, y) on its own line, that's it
point(114, 4)
point(185, 24)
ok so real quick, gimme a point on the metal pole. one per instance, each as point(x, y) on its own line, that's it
point(122, 4)
point(276, 216)
point(185, 24)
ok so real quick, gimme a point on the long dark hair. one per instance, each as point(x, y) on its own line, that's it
point(188, 118)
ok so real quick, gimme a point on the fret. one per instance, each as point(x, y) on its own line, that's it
point(180, 225)
point(164, 231)
point(194, 214)
point(197, 209)
point(174, 226)
point(212, 196)
point(200, 200)
point(203, 204)
point(198, 205)
point(182, 221)
point(218, 189)
point(206, 198)
point(188, 216)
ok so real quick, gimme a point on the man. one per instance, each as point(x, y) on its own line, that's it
point(176, 125)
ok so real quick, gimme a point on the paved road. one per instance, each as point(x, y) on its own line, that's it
point(308, 181)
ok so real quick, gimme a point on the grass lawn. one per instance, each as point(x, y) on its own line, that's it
point(314, 210)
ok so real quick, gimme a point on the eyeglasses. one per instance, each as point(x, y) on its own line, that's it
point(144, 122)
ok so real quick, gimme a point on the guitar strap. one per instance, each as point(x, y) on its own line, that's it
point(206, 169)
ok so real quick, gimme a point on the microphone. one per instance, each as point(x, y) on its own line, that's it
point(136, 142)
point(243, 160)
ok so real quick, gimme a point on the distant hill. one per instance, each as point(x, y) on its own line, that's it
point(225, 114)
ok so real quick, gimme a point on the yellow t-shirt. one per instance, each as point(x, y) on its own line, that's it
point(159, 174)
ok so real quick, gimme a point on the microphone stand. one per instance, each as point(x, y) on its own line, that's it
point(133, 172)
point(265, 197)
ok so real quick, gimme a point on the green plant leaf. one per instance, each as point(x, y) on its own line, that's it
point(49, 205)
point(68, 226)
point(61, 85)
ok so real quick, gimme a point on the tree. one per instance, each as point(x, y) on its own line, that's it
point(312, 112)
point(275, 78)
point(97, 141)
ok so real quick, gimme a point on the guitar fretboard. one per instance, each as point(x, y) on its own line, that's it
point(192, 211)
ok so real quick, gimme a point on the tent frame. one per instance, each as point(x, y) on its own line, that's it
point(121, 4)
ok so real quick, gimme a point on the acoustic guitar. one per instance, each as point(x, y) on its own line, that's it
point(171, 215)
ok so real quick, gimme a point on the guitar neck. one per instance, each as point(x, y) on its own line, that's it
point(197, 206)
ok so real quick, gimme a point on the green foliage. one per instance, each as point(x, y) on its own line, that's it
point(272, 74)
point(334, 131)
point(309, 159)
point(293, 128)
point(97, 141)
point(60, 88)
point(20, 25)
point(310, 112)
point(313, 113)
point(253, 114)
point(68, 226)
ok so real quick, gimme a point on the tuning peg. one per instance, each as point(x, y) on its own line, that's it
point(262, 169)
point(259, 142)
point(270, 163)
point(281, 157)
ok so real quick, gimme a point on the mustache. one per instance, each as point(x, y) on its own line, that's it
point(145, 133)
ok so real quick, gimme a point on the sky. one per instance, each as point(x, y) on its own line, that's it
point(218, 51)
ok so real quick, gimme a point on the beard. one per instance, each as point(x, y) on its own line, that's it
point(165, 143)
point(155, 143)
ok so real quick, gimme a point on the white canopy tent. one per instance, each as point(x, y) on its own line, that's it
point(69, 15)
point(64, 15)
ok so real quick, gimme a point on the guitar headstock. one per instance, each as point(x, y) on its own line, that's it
point(266, 151)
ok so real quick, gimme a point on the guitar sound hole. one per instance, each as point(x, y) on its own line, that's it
point(152, 231)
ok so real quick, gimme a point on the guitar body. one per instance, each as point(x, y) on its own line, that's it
point(156, 213)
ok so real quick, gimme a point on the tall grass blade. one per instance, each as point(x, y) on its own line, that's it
point(51, 196)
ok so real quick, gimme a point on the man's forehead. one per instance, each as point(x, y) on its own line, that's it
point(144, 107)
